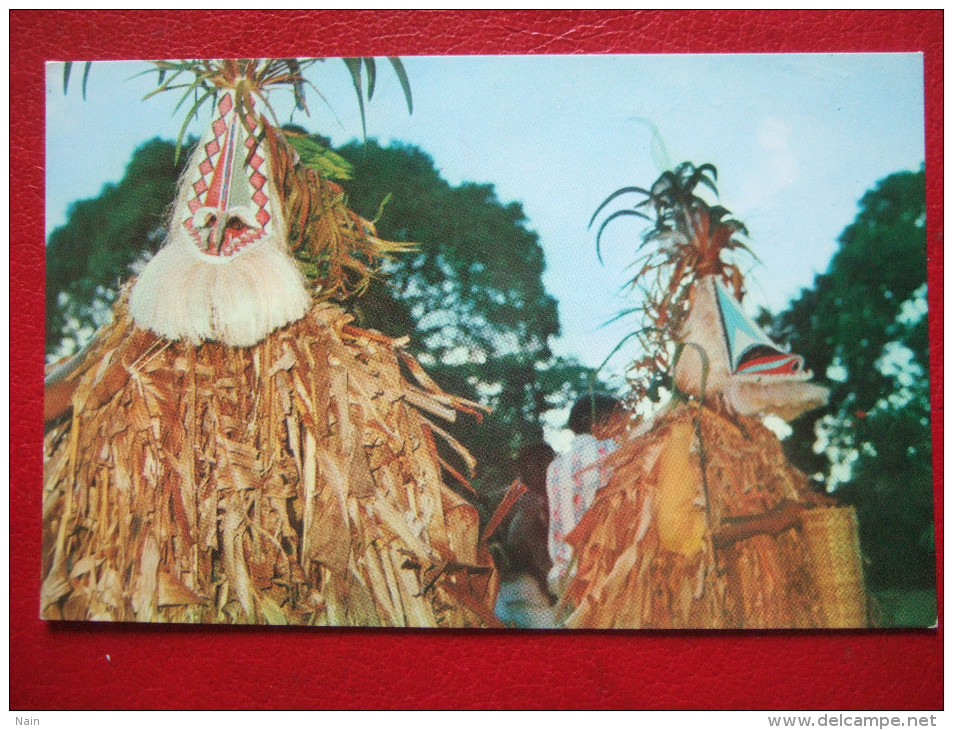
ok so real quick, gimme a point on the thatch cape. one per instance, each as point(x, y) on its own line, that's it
point(296, 481)
point(704, 523)
point(645, 557)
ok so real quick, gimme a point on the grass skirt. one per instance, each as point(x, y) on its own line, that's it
point(641, 567)
point(293, 482)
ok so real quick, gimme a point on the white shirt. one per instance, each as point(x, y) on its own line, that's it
point(572, 481)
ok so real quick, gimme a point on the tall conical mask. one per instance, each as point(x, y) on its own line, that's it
point(229, 208)
point(741, 363)
point(225, 273)
point(750, 350)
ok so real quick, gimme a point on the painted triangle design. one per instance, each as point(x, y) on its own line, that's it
point(742, 335)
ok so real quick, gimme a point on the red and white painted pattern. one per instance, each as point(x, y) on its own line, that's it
point(219, 230)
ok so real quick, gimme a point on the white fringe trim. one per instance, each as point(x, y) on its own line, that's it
point(183, 295)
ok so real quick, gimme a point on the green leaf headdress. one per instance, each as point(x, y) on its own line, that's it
point(689, 240)
point(698, 338)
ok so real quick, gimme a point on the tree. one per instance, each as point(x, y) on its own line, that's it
point(474, 292)
point(864, 324)
point(470, 294)
point(88, 256)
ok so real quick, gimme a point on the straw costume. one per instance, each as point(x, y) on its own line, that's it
point(704, 523)
point(233, 448)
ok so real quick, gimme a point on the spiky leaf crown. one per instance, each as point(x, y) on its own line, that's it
point(689, 240)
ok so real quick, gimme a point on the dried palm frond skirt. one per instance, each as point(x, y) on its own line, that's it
point(645, 558)
point(296, 481)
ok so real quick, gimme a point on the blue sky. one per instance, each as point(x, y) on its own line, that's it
point(797, 140)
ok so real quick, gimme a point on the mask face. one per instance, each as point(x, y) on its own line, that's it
point(224, 273)
point(750, 350)
point(728, 354)
point(229, 209)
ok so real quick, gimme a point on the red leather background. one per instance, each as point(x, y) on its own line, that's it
point(78, 666)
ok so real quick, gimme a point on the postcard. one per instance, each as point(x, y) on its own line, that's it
point(547, 342)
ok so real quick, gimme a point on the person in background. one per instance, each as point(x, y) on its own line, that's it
point(524, 600)
point(573, 478)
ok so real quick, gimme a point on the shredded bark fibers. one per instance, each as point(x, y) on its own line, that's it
point(293, 482)
point(645, 558)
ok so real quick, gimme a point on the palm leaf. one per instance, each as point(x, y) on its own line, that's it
point(259, 74)
point(297, 86)
point(371, 67)
point(734, 244)
point(618, 347)
point(86, 68)
point(67, 70)
point(620, 315)
point(354, 68)
point(699, 176)
point(191, 89)
point(608, 220)
point(328, 164)
point(616, 194)
point(398, 67)
point(690, 238)
point(185, 125)
point(717, 213)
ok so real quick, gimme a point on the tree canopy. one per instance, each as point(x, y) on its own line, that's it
point(863, 325)
point(473, 291)
point(88, 256)
point(470, 294)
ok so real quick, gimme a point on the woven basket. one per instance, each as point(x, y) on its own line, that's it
point(834, 548)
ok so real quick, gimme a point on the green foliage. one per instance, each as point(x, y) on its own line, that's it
point(354, 66)
point(201, 81)
point(88, 257)
point(689, 239)
point(327, 163)
point(67, 69)
point(864, 324)
point(474, 293)
point(470, 295)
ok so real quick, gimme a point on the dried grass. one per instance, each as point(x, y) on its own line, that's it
point(294, 482)
point(335, 247)
point(630, 574)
